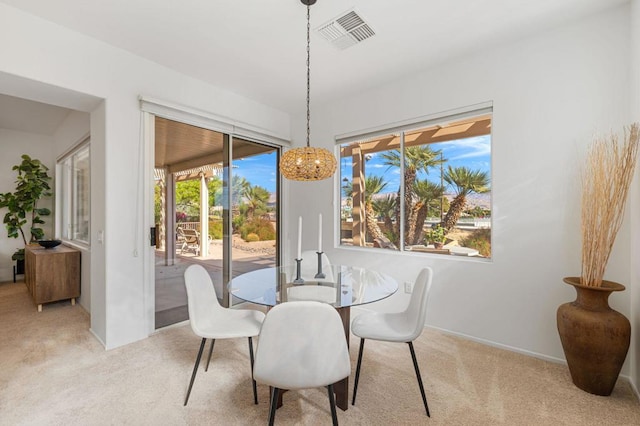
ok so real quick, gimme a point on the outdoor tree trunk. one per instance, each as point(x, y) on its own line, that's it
point(388, 224)
point(420, 218)
point(372, 222)
point(412, 224)
point(396, 228)
point(455, 211)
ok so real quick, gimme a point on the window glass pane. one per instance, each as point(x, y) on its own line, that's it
point(369, 177)
point(448, 188)
point(81, 185)
point(442, 172)
point(65, 198)
point(423, 187)
point(74, 195)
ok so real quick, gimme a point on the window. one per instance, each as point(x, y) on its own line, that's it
point(74, 194)
point(439, 168)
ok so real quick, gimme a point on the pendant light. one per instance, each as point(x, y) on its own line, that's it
point(307, 163)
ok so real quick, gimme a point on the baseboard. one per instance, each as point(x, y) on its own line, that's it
point(97, 338)
point(524, 352)
point(500, 345)
point(634, 388)
point(489, 342)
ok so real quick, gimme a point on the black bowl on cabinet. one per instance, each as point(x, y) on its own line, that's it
point(49, 243)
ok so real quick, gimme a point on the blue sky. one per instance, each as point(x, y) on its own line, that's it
point(474, 153)
point(258, 170)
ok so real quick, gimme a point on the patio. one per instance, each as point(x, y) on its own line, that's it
point(171, 296)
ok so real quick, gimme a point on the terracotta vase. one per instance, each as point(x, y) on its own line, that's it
point(595, 338)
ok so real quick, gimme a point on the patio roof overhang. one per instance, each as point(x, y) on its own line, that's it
point(461, 129)
point(181, 148)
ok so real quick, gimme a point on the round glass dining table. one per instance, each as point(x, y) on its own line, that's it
point(341, 286)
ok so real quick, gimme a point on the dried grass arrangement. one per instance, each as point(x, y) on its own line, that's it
point(605, 184)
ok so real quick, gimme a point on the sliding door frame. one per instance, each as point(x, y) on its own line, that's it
point(151, 108)
point(227, 178)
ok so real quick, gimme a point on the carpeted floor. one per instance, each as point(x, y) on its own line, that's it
point(54, 372)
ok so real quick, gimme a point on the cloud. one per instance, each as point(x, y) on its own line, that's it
point(479, 146)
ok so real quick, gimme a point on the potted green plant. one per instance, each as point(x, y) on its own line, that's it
point(595, 338)
point(436, 236)
point(32, 184)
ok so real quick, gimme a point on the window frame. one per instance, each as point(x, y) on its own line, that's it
point(68, 198)
point(401, 128)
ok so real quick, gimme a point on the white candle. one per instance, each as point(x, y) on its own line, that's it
point(320, 233)
point(299, 237)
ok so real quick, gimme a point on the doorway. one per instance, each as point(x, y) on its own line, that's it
point(216, 203)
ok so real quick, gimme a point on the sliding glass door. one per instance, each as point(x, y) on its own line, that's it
point(252, 233)
point(216, 205)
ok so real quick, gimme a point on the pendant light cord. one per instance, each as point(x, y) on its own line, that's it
point(308, 73)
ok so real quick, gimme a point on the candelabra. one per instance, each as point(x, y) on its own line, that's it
point(298, 279)
point(320, 274)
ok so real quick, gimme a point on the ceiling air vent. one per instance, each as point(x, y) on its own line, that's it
point(346, 30)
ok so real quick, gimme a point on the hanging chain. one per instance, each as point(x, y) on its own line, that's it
point(308, 73)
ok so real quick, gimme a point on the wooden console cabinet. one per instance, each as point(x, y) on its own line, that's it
point(52, 274)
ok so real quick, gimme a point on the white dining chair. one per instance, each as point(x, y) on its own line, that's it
point(210, 320)
point(319, 293)
point(402, 327)
point(302, 345)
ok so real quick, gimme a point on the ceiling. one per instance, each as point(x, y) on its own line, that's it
point(257, 48)
point(22, 115)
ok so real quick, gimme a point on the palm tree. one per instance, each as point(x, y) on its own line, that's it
point(256, 199)
point(416, 158)
point(372, 186)
point(465, 181)
point(238, 186)
point(426, 193)
point(386, 207)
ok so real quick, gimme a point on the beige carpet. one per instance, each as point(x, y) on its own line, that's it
point(54, 372)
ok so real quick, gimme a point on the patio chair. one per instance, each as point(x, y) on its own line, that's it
point(189, 240)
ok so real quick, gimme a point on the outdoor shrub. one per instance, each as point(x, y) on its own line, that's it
point(261, 227)
point(480, 240)
point(181, 217)
point(215, 229)
point(237, 222)
point(252, 237)
point(435, 234)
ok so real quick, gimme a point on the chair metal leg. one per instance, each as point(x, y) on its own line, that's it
point(332, 403)
point(255, 389)
point(274, 403)
point(213, 341)
point(415, 365)
point(195, 370)
point(355, 386)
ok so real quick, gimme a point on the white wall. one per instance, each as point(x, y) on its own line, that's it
point(634, 352)
point(44, 52)
point(550, 93)
point(14, 144)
